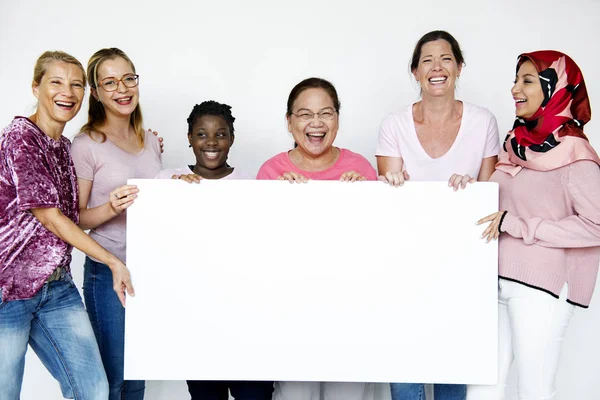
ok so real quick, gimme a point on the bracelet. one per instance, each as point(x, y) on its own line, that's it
point(501, 220)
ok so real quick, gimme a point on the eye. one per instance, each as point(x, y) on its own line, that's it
point(129, 79)
point(426, 61)
point(200, 134)
point(447, 59)
point(108, 82)
point(221, 134)
point(327, 114)
point(56, 82)
point(77, 85)
point(305, 115)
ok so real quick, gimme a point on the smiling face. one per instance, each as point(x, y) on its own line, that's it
point(314, 136)
point(437, 69)
point(124, 100)
point(211, 140)
point(60, 91)
point(527, 91)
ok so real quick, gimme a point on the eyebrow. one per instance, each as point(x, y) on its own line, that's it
point(114, 77)
point(322, 109)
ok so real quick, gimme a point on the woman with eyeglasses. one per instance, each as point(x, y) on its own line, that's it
point(438, 138)
point(312, 114)
point(39, 303)
point(111, 148)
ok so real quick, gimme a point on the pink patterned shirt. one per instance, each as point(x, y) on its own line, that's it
point(36, 171)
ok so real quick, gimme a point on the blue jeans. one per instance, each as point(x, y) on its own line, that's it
point(416, 391)
point(240, 390)
point(107, 316)
point(54, 323)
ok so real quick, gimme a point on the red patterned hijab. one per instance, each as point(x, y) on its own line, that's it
point(553, 137)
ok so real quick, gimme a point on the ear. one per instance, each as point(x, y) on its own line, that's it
point(459, 71)
point(35, 88)
point(414, 72)
point(189, 139)
point(289, 122)
point(94, 93)
point(232, 136)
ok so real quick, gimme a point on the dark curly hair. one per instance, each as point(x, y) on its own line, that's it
point(211, 107)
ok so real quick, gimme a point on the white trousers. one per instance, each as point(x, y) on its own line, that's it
point(531, 329)
point(331, 391)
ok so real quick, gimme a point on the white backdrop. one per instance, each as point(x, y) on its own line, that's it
point(249, 54)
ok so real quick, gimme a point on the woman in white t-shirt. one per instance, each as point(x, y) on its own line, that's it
point(438, 138)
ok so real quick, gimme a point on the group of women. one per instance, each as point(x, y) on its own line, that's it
point(50, 191)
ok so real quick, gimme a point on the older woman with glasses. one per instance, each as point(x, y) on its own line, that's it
point(313, 119)
point(39, 303)
point(112, 148)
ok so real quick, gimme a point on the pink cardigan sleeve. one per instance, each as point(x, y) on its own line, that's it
point(579, 230)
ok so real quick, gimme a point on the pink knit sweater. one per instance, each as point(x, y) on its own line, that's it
point(552, 229)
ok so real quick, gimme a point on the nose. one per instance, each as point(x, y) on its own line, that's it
point(515, 89)
point(121, 88)
point(316, 120)
point(68, 90)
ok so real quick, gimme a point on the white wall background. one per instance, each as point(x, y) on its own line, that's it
point(250, 54)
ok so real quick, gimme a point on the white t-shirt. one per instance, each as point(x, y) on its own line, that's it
point(184, 170)
point(477, 139)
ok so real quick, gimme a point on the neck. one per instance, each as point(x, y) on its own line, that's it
point(50, 127)
point(438, 110)
point(117, 126)
point(311, 162)
point(217, 173)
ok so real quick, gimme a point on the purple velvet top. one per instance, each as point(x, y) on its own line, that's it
point(36, 171)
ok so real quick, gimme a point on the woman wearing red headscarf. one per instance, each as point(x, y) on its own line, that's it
point(549, 226)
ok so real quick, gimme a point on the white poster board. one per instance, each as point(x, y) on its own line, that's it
point(324, 281)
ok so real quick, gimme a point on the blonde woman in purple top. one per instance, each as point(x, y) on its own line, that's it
point(112, 148)
point(39, 303)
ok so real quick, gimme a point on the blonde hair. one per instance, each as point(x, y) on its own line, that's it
point(49, 56)
point(96, 112)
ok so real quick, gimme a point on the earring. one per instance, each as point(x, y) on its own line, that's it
point(190, 145)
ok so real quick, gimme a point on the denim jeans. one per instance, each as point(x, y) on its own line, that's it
point(416, 391)
point(107, 316)
point(240, 390)
point(54, 323)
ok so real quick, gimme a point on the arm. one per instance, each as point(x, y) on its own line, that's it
point(56, 222)
point(391, 170)
point(119, 199)
point(579, 230)
point(487, 168)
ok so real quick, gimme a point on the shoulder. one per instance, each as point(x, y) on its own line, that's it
point(274, 166)
point(20, 132)
point(475, 112)
point(168, 173)
point(279, 159)
point(398, 117)
point(353, 158)
point(83, 140)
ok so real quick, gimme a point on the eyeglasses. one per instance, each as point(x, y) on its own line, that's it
point(325, 115)
point(112, 84)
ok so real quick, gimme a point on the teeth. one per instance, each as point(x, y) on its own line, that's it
point(316, 134)
point(437, 80)
point(124, 100)
point(211, 154)
point(521, 101)
point(65, 104)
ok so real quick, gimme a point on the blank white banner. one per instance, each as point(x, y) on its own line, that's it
point(324, 281)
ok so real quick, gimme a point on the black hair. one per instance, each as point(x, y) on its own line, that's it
point(432, 37)
point(313, 83)
point(211, 107)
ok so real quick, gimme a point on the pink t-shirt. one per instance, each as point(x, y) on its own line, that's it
point(477, 139)
point(184, 170)
point(109, 167)
point(347, 161)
